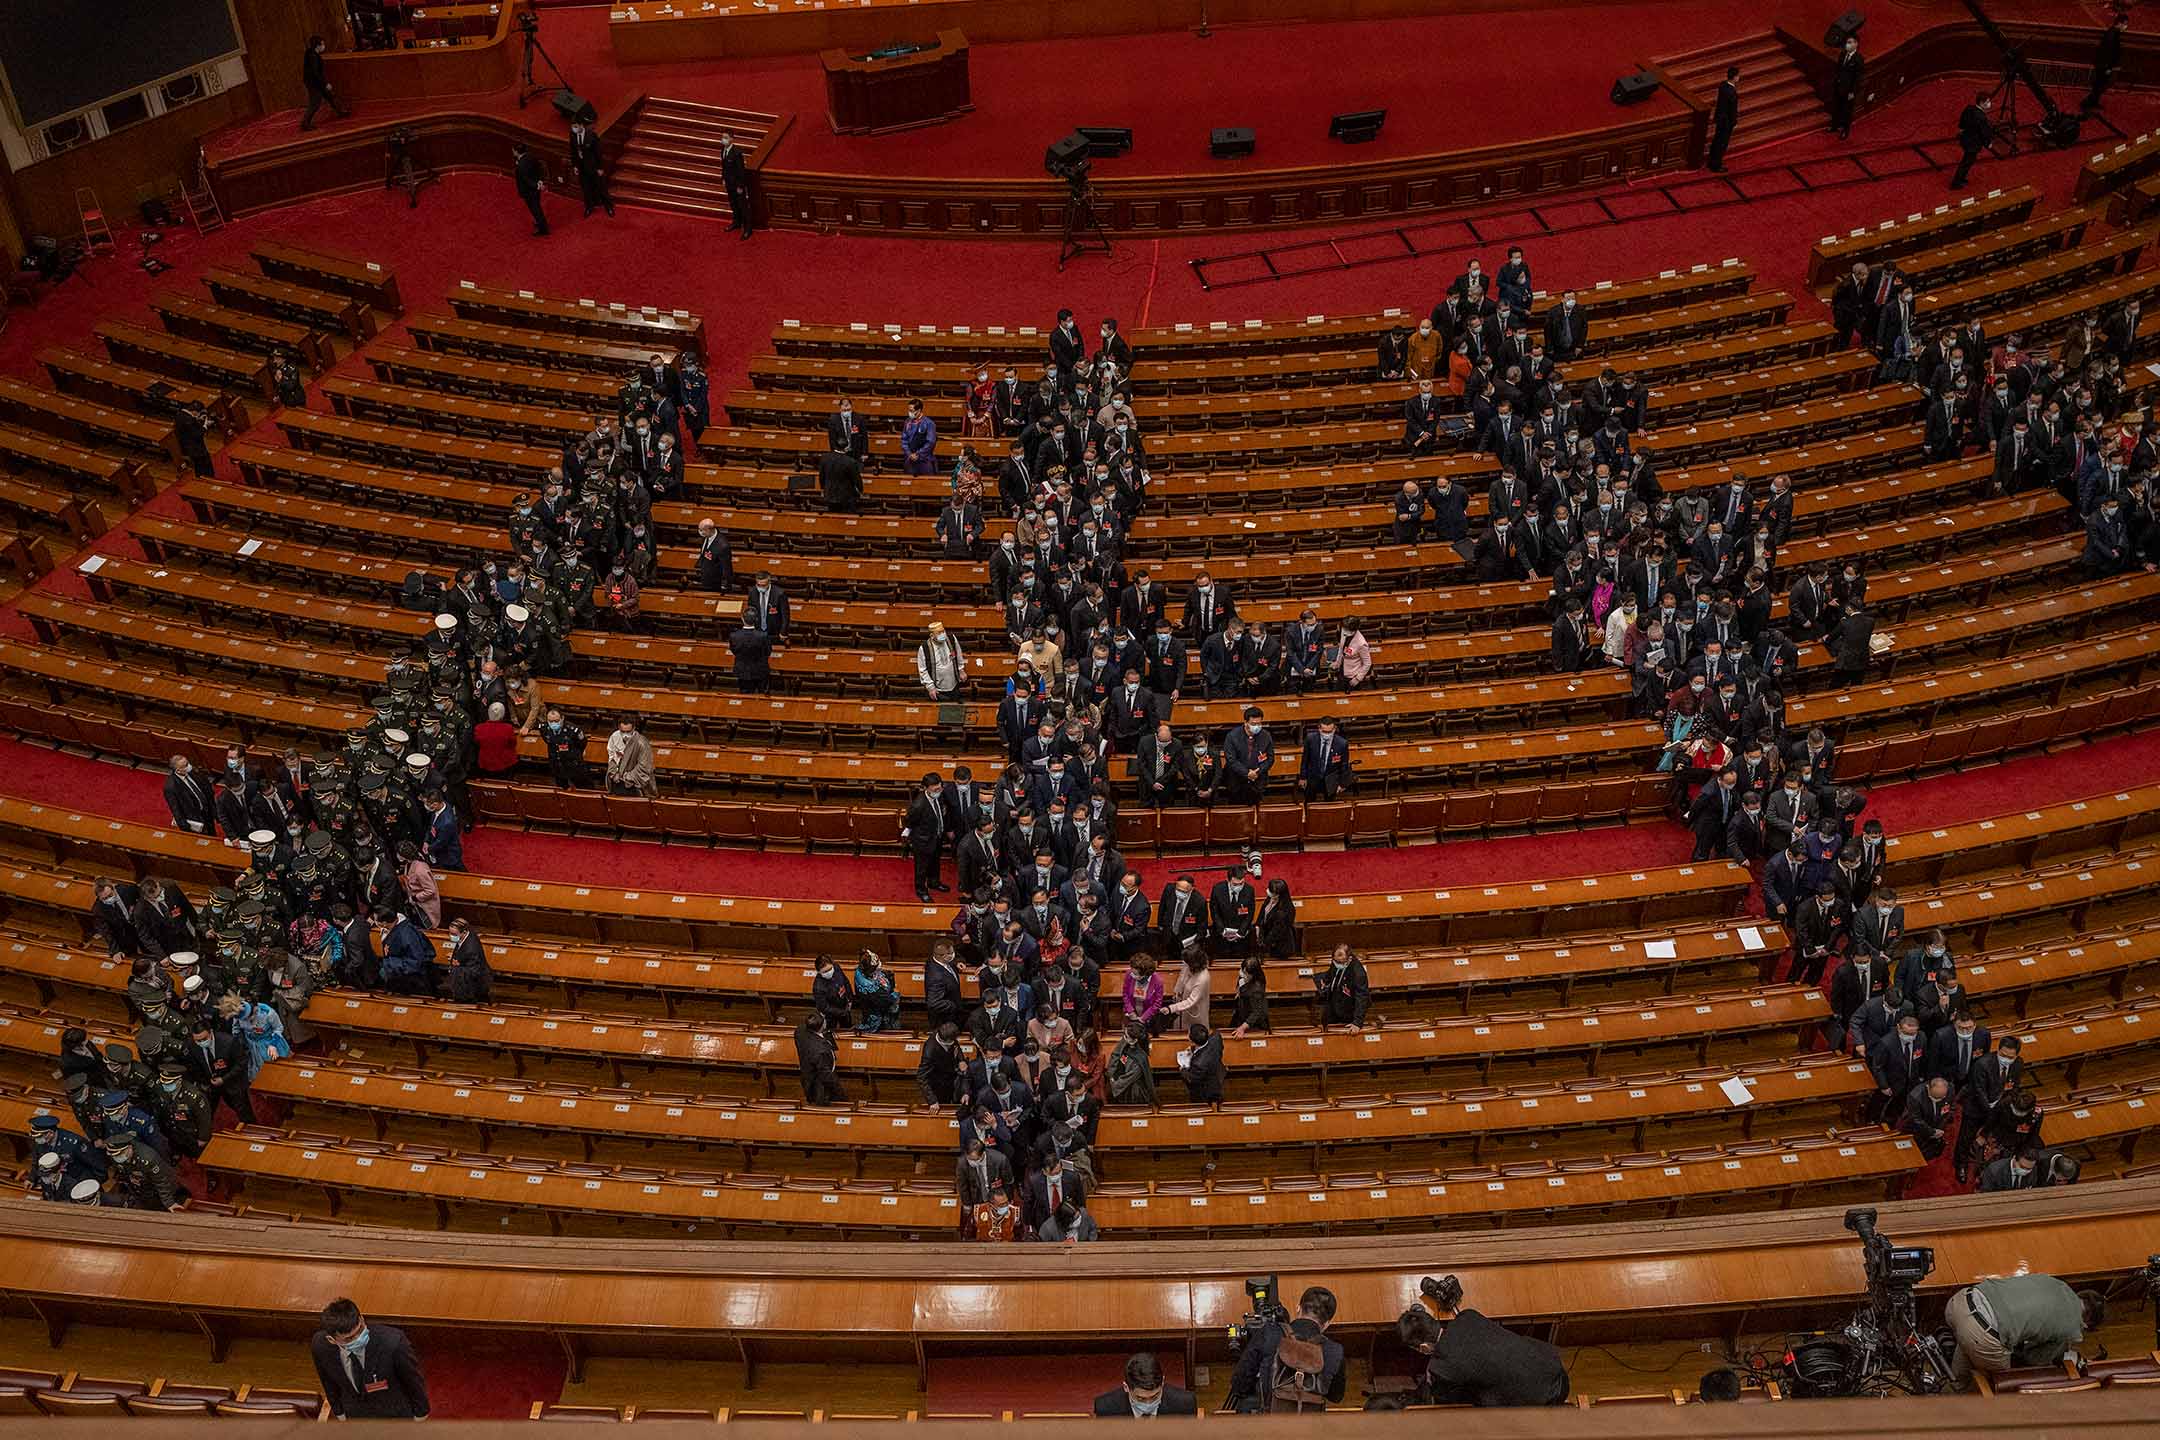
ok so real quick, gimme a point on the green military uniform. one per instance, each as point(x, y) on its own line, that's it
point(184, 1108)
point(141, 1178)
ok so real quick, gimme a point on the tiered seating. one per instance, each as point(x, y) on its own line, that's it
point(71, 1395)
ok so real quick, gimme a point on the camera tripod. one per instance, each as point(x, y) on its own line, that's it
point(2002, 107)
point(1083, 226)
point(404, 172)
point(527, 88)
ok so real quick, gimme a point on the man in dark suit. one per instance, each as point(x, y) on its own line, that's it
point(1421, 421)
point(1848, 644)
point(191, 798)
point(317, 81)
point(369, 1372)
point(1145, 1393)
point(1988, 1083)
point(714, 568)
point(1896, 1064)
point(1248, 756)
point(2019, 1170)
point(1324, 768)
point(1129, 713)
point(585, 159)
point(1203, 1067)
point(1974, 133)
point(1180, 916)
point(929, 824)
point(1724, 114)
point(530, 178)
point(735, 175)
point(1711, 816)
point(2106, 59)
point(219, 1061)
point(1208, 608)
point(2016, 457)
point(1953, 1050)
point(766, 608)
point(1845, 87)
point(1054, 1183)
point(1567, 328)
point(1230, 914)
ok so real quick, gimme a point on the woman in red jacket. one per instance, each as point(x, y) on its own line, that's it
point(495, 740)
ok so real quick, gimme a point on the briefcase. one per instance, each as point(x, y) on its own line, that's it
point(952, 715)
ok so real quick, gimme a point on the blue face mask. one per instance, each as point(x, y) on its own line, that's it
point(358, 1342)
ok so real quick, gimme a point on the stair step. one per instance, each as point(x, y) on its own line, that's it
point(692, 139)
point(1725, 50)
point(1763, 78)
point(747, 132)
point(688, 192)
point(673, 182)
point(668, 161)
point(699, 107)
point(672, 205)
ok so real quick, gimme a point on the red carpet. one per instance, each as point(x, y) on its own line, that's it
point(493, 1377)
point(37, 773)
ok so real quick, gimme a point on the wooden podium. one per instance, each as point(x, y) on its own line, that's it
point(864, 96)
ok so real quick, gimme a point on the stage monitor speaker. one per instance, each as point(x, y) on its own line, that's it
point(1357, 127)
point(574, 107)
point(1105, 140)
point(1634, 89)
point(1229, 143)
point(1062, 153)
point(1846, 25)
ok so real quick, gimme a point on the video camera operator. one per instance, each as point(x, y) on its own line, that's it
point(1476, 1361)
point(2012, 1321)
point(1290, 1365)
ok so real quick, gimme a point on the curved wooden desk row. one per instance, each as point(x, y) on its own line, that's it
point(575, 391)
point(85, 422)
point(1406, 709)
point(1227, 1205)
point(365, 280)
point(1331, 571)
point(1327, 1202)
point(77, 372)
point(1699, 443)
point(337, 457)
point(487, 63)
point(2109, 170)
point(329, 311)
point(401, 447)
point(2040, 321)
point(1664, 364)
point(29, 452)
point(2036, 279)
point(236, 370)
point(2014, 244)
point(1833, 255)
point(1632, 1100)
point(611, 358)
point(1001, 345)
point(1561, 906)
point(1382, 615)
point(1680, 402)
point(668, 332)
point(647, 1295)
point(1918, 700)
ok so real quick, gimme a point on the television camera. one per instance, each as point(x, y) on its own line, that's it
point(1264, 1307)
point(1882, 1350)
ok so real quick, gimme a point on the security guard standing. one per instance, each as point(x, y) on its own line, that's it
point(585, 158)
point(531, 181)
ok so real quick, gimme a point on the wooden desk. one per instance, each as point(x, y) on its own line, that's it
point(2110, 170)
point(869, 94)
point(486, 61)
point(327, 310)
point(85, 422)
point(1560, 906)
point(237, 370)
point(79, 373)
point(668, 332)
point(1833, 256)
point(28, 452)
point(525, 347)
point(364, 280)
point(1027, 346)
point(594, 394)
point(699, 1296)
point(242, 330)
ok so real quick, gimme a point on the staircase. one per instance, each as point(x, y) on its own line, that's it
point(672, 159)
point(1776, 100)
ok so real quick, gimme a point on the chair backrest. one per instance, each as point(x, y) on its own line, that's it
point(72, 1407)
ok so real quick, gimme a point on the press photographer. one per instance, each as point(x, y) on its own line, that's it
point(1472, 1360)
point(2013, 1321)
point(1285, 1363)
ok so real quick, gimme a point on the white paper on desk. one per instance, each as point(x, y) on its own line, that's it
point(2154, 368)
point(1751, 937)
point(92, 565)
point(1736, 1090)
point(1661, 950)
point(250, 547)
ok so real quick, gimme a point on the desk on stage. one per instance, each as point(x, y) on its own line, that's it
point(868, 94)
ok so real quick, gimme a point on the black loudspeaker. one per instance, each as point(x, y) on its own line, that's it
point(574, 107)
point(1064, 152)
point(1357, 127)
point(1634, 89)
point(1230, 143)
point(1105, 139)
point(1845, 25)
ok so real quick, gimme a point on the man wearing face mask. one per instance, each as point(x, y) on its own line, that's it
point(1145, 1394)
point(367, 1373)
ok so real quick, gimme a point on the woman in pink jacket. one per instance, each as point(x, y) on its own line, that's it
point(1355, 662)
